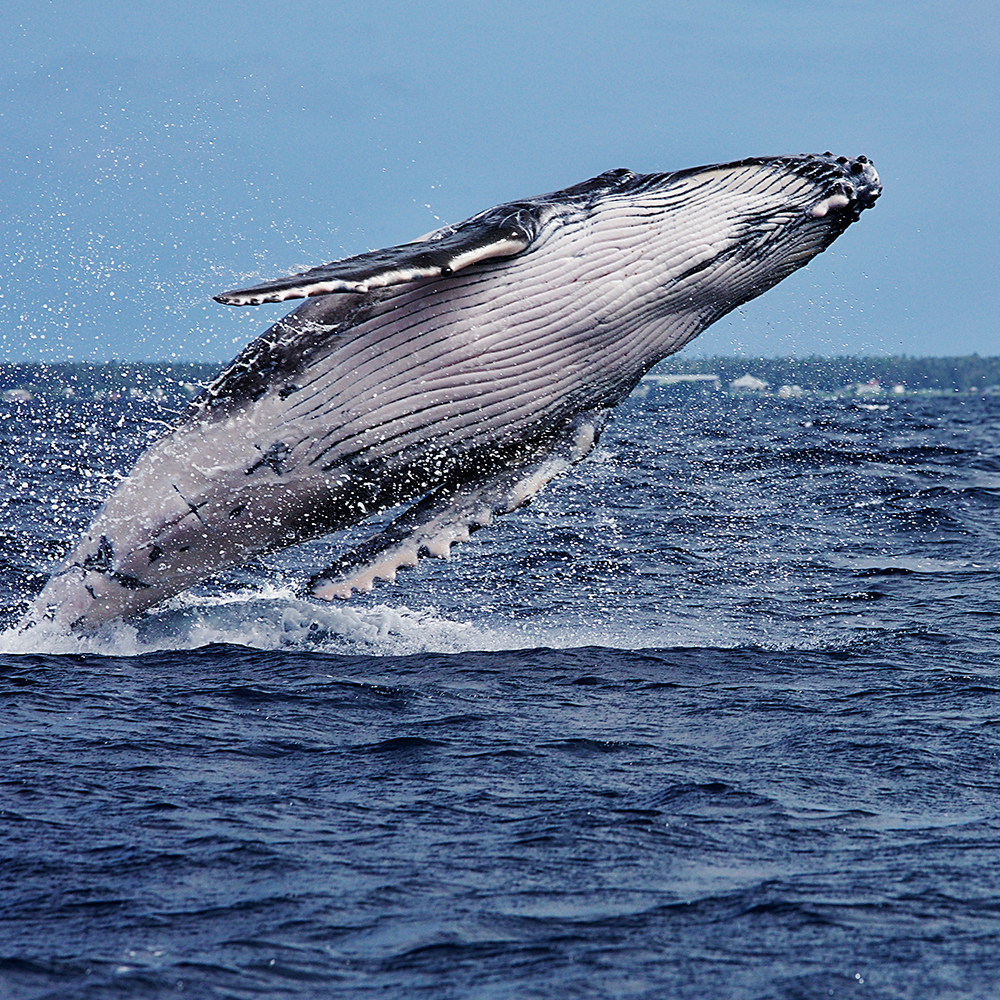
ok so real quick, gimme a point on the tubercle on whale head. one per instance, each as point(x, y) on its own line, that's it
point(854, 185)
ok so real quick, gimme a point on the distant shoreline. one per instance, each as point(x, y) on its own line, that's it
point(785, 377)
point(969, 374)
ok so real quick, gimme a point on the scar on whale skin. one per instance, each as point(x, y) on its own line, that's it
point(460, 372)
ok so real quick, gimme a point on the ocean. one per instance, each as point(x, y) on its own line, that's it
point(718, 716)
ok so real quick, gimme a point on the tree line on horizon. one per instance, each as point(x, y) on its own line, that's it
point(820, 374)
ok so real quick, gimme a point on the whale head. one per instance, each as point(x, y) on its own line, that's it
point(742, 227)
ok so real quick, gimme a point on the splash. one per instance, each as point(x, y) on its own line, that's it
point(274, 617)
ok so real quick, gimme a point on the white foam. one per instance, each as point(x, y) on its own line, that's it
point(270, 618)
point(274, 617)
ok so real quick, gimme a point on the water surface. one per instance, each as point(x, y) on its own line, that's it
point(717, 717)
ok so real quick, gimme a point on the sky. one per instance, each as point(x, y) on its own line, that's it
point(153, 155)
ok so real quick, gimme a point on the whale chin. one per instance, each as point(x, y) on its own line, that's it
point(462, 372)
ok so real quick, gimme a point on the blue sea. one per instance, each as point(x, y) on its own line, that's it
point(718, 716)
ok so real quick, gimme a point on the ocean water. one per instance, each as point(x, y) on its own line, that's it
point(718, 716)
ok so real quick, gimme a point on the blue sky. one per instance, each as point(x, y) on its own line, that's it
point(151, 156)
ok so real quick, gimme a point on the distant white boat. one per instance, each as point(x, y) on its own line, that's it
point(748, 383)
point(648, 381)
point(678, 379)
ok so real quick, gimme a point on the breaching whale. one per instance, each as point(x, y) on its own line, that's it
point(463, 370)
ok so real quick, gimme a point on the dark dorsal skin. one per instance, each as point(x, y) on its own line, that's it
point(467, 368)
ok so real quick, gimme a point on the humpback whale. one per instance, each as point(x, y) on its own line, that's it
point(461, 372)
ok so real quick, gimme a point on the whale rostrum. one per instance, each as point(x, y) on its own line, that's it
point(462, 371)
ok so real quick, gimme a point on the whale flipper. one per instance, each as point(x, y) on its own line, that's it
point(491, 234)
point(453, 511)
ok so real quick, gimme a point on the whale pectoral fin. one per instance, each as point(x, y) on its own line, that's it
point(501, 232)
point(451, 513)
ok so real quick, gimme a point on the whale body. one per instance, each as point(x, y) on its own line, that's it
point(463, 370)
